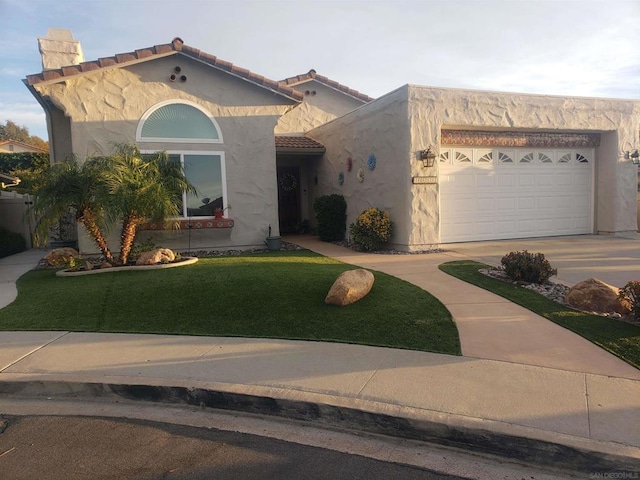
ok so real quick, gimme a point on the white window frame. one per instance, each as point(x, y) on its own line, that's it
point(147, 114)
point(223, 177)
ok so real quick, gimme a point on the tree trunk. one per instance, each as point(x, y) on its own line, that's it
point(129, 227)
point(89, 221)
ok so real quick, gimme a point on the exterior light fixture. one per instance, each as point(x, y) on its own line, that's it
point(428, 157)
point(635, 157)
point(13, 181)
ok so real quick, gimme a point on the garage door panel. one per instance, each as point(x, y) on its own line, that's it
point(505, 199)
point(506, 180)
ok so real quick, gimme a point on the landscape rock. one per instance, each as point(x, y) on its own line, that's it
point(61, 256)
point(153, 257)
point(350, 287)
point(105, 264)
point(596, 295)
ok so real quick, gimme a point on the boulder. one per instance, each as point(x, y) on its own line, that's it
point(594, 295)
point(153, 257)
point(61, 256)
point(105, 264)
point(350, 287)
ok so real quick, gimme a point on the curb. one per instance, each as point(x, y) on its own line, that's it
point(468, 437)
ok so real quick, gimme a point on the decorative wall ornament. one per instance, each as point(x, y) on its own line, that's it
point(341, 178)
point(371, 163)
point(475, 138)
point(360, 175)
point(349, 164)
point(288, 182)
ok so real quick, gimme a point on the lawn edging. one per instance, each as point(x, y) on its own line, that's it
point(617, 337)
point(78, 273)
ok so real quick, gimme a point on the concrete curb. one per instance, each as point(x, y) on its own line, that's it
point(584, 456)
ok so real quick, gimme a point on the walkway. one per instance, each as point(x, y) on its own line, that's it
point(490, 326)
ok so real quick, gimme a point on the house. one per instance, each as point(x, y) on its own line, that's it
point(14, 146)
point(449, 165)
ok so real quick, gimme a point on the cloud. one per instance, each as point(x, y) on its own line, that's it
point(29, 115)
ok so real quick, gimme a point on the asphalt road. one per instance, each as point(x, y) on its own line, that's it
point(68, 448)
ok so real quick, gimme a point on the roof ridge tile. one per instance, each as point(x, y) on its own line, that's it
point(176, 45)
point(313, 75)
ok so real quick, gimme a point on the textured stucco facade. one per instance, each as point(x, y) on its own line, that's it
point(396, 127)
point(381, 128)
point(106, 107)
point(321, 105)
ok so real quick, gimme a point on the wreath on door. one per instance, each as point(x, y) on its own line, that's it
point(288, 182)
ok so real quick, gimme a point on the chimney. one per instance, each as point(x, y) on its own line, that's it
point(59, 49)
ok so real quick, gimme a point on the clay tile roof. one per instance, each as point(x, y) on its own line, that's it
point(312, 75)
point(297, 143)
point(176, 46)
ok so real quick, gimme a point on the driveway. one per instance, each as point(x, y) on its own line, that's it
point(614, 260)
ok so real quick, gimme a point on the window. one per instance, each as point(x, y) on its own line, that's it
point(174, 123)
point(206, 172)
point(178, 121)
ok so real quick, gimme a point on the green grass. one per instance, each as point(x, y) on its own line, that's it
point(271, 295)
point(620, 338)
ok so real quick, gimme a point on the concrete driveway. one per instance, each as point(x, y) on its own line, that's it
point(614, 260)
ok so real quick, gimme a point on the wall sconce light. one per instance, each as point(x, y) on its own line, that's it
point(633, 156)
point(428, 157)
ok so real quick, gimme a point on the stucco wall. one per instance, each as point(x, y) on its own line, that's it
point(106, 106)
point(381, 128)
point(315, 110)
point(431, 109)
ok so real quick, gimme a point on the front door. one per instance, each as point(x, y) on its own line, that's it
point(289, 199)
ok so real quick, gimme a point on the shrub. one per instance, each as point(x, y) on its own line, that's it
point(527, 267)
point(631, 293)
point(371, 230)
point(140, 247)
point(11, 243)
point(331, 214)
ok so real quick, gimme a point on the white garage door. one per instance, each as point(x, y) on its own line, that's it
point(501, 193)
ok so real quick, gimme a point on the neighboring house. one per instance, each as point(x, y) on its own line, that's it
point(13, 146)
point(506, 165)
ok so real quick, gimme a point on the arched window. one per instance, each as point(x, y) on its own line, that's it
point(178, 121)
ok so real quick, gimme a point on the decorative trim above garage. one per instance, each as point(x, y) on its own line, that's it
point(476, 138)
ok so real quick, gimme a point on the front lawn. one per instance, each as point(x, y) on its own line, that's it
point(270, 295)
point(620, 338)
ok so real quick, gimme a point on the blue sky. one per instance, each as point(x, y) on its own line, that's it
point(556, 47)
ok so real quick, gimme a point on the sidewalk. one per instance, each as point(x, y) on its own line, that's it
point(533, 412)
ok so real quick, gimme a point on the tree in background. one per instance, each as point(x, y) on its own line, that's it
point(12, 131)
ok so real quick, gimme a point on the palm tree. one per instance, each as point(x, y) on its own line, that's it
point(81, 188)
point(142, 189)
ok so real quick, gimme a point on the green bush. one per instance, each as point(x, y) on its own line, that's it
point(331, 214)
point(371, 230)
point(631, 293)
point(527, 267)
point(11, 242)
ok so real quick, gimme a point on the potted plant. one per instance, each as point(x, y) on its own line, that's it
point(219, 212)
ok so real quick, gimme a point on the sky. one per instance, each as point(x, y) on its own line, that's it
point(553, 47)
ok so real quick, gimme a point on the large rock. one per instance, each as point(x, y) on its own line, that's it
point(350, 287)
point(594, 295)
point(153, 257)
point(61, 256)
